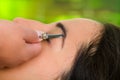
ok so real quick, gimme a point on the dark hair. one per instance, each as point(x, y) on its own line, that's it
point(99, 61)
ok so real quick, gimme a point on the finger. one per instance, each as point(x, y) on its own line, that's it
point(22, 22)
point(30, 36)
point(31, 51)
point(28, 23)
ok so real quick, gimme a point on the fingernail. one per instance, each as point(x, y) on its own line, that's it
point(39, 33)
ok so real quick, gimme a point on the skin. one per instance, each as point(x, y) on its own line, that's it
point(54, 60)
point(18, 44)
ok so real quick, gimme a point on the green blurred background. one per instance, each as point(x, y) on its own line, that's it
point(53, 10)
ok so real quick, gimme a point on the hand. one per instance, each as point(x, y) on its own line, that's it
point(18, 44)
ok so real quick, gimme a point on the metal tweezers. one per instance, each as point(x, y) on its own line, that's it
point(45, 36)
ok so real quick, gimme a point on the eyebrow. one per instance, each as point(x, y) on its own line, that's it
point(64, 31)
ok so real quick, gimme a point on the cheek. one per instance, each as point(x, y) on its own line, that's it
point(48, 64)
point(69, 54)
point(45, 66)
point(56, 45)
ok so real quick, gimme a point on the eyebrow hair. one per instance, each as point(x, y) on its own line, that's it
point(62, 27)
point(64, 31)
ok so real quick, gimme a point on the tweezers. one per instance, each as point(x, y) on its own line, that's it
point(45, 36)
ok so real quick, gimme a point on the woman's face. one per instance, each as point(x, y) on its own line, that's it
point(57, 55)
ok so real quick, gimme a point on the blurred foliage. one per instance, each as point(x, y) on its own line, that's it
point(53, 10)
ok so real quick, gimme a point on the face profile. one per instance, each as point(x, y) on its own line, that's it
point(58, 55)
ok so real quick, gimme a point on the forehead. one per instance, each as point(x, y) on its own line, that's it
point(81, 23)
point(81, 30)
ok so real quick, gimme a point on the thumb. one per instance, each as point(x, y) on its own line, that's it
point(31, 51)
point(31, 36)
